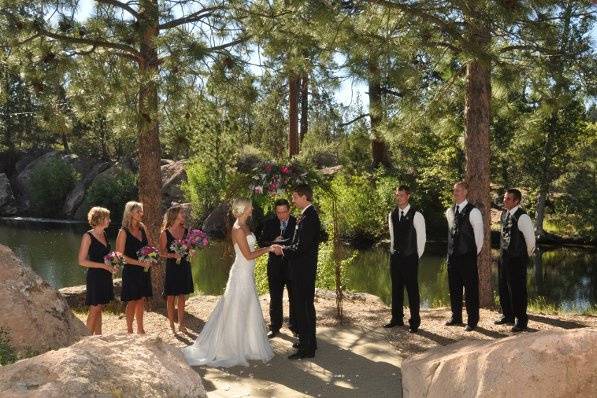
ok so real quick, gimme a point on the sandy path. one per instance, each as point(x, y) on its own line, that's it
point(357, 358)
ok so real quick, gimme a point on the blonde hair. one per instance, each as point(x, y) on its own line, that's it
point(96, 215)
point(128, 210)
point(170, 216)
point(239, 206)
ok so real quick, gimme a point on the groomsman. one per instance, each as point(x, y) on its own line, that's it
point(517, 244)
point(278, 229)
point(407, 243)
point(465, 241)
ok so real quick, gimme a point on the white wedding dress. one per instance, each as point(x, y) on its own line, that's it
point(235, 331)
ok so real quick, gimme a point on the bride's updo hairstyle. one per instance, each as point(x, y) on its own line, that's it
point(239, 206)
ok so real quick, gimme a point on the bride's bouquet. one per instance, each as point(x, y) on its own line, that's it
point(115, 260)
point(180, 247)
point(149, 254)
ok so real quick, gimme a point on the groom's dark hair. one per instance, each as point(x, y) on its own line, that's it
point(281, 202)
point(304, 190)
point(404, 188)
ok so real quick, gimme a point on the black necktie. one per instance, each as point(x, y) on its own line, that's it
point(401, 215)
point(457, 211)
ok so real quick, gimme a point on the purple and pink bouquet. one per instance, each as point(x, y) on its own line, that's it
point(180, 247)
point(197, 239)
point(115, 260)
point(149, 254)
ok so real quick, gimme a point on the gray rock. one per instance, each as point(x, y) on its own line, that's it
point(173, 175)
point(555, 363)
point(34, 315)
point(76, 196)
point(104, 366)
point(218, 222)
point(21, 186)
point(6, 195)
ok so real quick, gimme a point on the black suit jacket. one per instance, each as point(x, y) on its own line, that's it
point(271, 230)
point(302, 252)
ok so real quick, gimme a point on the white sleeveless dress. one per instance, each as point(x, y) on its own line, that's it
point(235, 331)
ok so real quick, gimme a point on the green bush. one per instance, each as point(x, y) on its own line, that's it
point(363, 202)
point(206, 187)
point(112, 192)
point(50, 183)
point(7, 353)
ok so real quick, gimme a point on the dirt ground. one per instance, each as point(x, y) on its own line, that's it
point(356, 357)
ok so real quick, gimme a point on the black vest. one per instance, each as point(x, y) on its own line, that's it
point(405, 235)
point(461, 237)
point(512, 241)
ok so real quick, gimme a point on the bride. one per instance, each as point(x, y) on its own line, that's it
point(235, 331)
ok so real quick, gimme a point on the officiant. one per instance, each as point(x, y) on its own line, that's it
point(278, 229)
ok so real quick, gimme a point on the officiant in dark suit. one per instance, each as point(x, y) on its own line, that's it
point(302, 258)
point(278, 229)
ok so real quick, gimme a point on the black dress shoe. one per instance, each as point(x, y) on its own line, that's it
point(272, 333)
point(297, 355)
point(453, 322)
point(393, 324)
point(518, 328)
point(413, 329)
point(469, 328)
point(504, 321)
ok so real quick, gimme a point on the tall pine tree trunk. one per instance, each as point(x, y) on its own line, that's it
point(304, 105)
point(477, 115)
point(379, 151)
point(150, 183)
point(293, 132)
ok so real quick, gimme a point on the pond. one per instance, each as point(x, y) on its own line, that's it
point(565, 278)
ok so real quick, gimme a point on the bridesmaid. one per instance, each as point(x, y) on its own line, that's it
point(94, 246)
point(179, 279)
point(136, 283)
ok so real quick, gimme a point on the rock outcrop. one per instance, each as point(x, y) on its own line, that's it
point(556, 363)
point(35, 317)
point(173, 175)
point(76, 196)
point(7, 199)
point(104, 366)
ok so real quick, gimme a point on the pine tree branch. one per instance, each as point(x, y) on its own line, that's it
point(121, 5)
point(193, 17)
point(126, 50)
point(409, 9)
point(354, 120)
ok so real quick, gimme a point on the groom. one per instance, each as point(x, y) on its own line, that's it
point(302, 259)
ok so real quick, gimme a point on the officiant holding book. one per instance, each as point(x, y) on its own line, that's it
point(278, 229)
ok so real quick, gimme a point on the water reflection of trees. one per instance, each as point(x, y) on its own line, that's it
point(565, 277)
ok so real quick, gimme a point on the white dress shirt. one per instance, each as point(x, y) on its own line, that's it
point(525, 225)
point(474, 217)
point(418, 223)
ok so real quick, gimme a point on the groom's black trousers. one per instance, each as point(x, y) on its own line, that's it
point(303, 291)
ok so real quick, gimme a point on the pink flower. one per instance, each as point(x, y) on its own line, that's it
point(284, 170)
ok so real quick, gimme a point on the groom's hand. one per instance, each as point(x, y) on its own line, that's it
point(277, 249)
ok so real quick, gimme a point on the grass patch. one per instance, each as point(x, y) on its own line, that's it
point(7, 352)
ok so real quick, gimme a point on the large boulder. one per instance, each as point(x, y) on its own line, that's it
point(218, 221)
point(104, 366)
point(7, 199)
point(35, 317)
point(173, 175)
point(555, 363)
point(76, 196)
point(21, 182)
